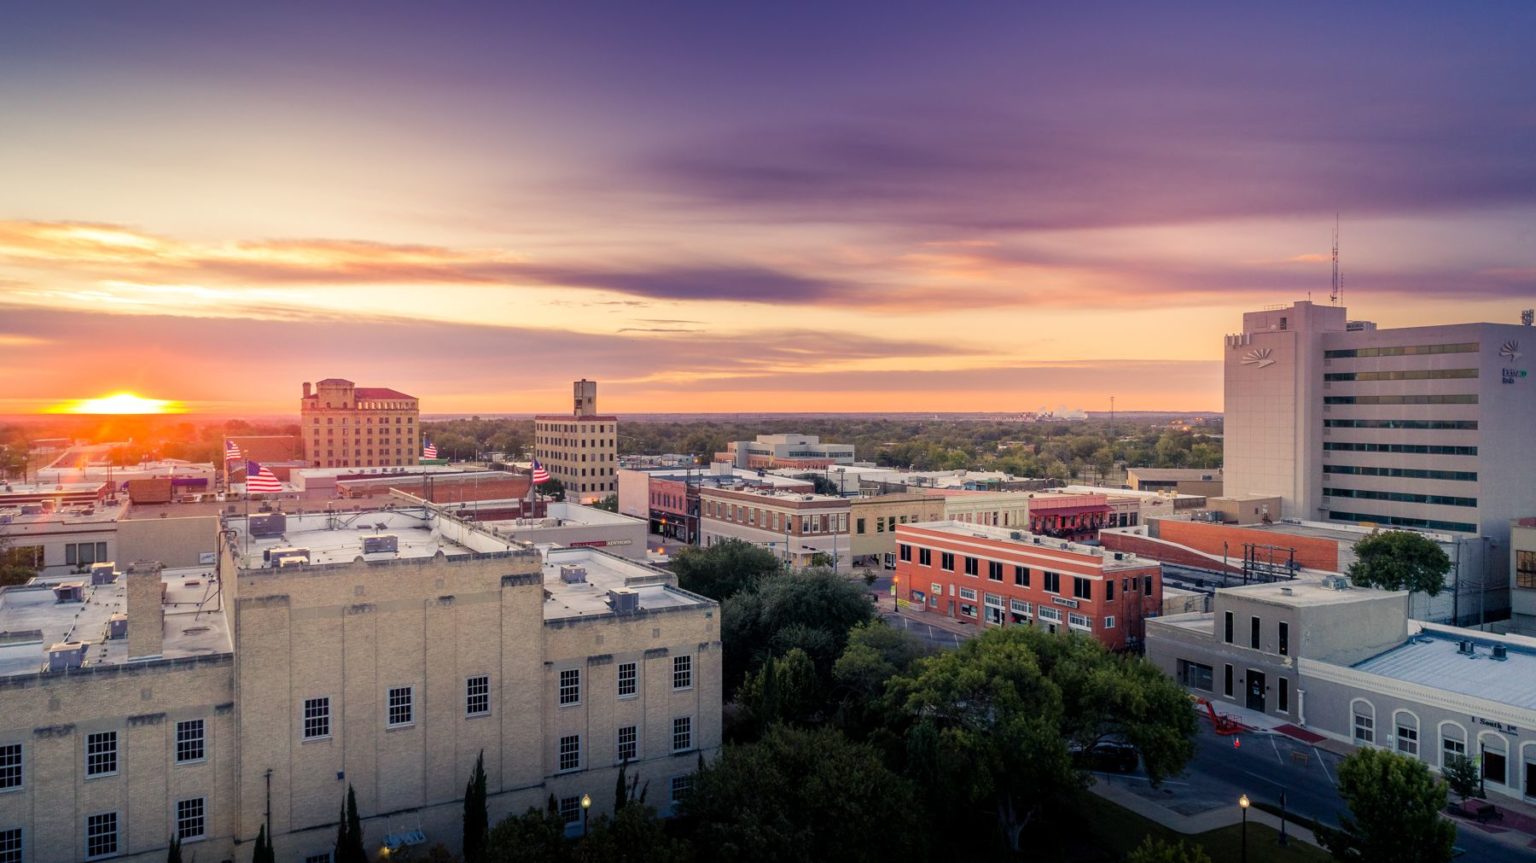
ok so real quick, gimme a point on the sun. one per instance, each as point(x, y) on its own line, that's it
point(118, 403)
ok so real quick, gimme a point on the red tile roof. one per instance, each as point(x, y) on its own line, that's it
point(379, 393)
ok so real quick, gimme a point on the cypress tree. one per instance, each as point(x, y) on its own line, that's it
point(263, 852)
point(173, 854)
point(476, 822)
point(349, 833)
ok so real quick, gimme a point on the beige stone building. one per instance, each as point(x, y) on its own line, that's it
point(797, 527)
point(874, 520)
point(317, 656)
point(580, 449)
point(345, 425)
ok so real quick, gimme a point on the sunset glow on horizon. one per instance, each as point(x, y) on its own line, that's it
point(736, 207)
point(118, 403)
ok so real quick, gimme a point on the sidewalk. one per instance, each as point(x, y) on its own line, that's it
point(886, 604)
point(1119, 792)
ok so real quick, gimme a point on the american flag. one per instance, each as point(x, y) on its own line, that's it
point(260, 480)
point(232, 451)
point(540, 475)
point(428, 450)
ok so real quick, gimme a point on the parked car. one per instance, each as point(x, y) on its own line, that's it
point(1110, 756)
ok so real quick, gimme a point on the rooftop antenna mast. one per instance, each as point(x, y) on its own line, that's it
point(1338, 281)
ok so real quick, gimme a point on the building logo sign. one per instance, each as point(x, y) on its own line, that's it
point(1512, 375)
point(1510, 350)
point(1061, 600)
point(1259, 357)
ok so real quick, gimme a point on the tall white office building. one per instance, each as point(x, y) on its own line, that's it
point(1420, 427)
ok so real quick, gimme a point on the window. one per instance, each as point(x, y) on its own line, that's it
point(946, 561)
point(10, 766)
point(570, 752)
point(905, 552)
point(1227, 628)
point(189, 741)
point(682, 672)
point(1109, 589)
point(1253, 632)
point(1525, 569)
point(570, 686)
point(1495, 763)
point(1285, 638)
point(318, 858)
point(1053, 582)
point(967, 609)
point(1407, 733)
point(880, 525)
point(1226, 681)
point(1196, 676)
point(1365, 722)
point(1082, 588)
point(925, 557)
point(101, 835)
point(858, 526)
point(477, 696)
point(1453, 744)
point(1146, 584)
point(84, 553)
point(1045, 613)
point(1079, 621)
point(317, 718)
point(10, 845)
point(1019, 607)
point(1284, 702)
point(1407, 375)
point(968, 593)
point(629, 746)
point(1109, 622)
point(101, 757)
point(994, 570)
point(191, 818)
point(1021, 576)
point(401, 706)
point(627, 678)
point(681, 786)
point(682, 733)
point(972, 566)
point(570, 809)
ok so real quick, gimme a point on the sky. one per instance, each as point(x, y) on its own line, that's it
point(740, 206)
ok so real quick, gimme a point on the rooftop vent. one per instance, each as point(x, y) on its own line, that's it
point(573, 574)
point(103, 573)
point(69, 591)
point(268, 524)
point(381, 543)
point(1015, 535)
point(289, 561)
point(117, 626)
point(1465, 647)
point(66, 655)
point(623, 601)
point(1500, 652)
point(1286, 591)
point(272, 555)
point(1335, 582)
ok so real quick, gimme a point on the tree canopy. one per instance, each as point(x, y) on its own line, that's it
point(724, 569)
point(804, 794)
point(812, 610)
point(1400, 560)
point(1395, 810)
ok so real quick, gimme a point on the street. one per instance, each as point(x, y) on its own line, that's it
point(1264, 765)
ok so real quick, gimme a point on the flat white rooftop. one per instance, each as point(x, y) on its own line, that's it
point(1025, 539)
point(1432, 659)
point(32, 620)
point(560, 515)
point(338, 537)
point(1300, 592)
point(601, 573)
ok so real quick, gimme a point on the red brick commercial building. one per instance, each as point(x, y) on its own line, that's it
point(1001, 577)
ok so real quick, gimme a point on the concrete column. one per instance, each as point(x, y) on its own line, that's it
point(146, 611)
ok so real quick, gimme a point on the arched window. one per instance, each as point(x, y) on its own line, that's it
point(1453, 743)
point(1493, 752)
point(1407, 730)
point(1365, 721)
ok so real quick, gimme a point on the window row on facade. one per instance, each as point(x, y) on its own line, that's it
point(571, 756)
point(1401, 472)
point(769, 519)
point(1022, 576)
point(410, 421)
point(1490, 751)
point(1400, 496)
point(1256, 633)
point(102, 832)
point(568, 685)
point(102, 756)
point(1002, 610)
point(1404, 375)
point(1412, 425)
point(1422, 399)
point(1402, 521)
point(1399, 448)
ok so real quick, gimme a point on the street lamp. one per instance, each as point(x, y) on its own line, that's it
point(1242, 803)
point(586, 806)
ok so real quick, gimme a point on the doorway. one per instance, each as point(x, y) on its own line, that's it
point(1255, 690)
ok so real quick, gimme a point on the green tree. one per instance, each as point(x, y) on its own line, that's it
point(812, 610)
point(17, 565)
point(554, 489)
point(173, 852)
point(987, 726)
point(476, 822)
point(724, 569)
point(262, 853)
point(1154, 850)
point(804, 794)
point(1400, 560)
point(349, 833)
point(632, 835)
point(875, 653)
point(536, 836)
point(609, 503)
point(1395, 811)
point(1462, 775)
point(784, 690)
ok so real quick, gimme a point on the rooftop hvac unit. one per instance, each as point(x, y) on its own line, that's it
point(1500, 652)
point(274, 554)
point(1119, 555)
point(103, 573)
point(1336, 582)
point(289, 561)
point(1466, 648)
point(69, 591)
point(623, 601)
point(381, 543)
point(66, 655)
point(117, 626)
point(573, 574)
point(1015, 535)
point(268, 524)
